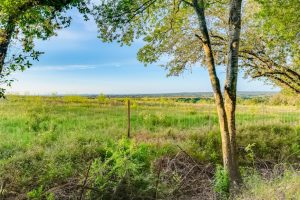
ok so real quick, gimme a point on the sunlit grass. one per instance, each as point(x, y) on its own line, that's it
point(48, 140)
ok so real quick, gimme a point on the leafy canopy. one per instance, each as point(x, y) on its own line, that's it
point(271, 42)
point(167, 27)
point(24, 21)
point(269, 37)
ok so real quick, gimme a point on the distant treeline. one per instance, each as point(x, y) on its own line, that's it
point(278, 99)
point(245, 98)
point(193, 94)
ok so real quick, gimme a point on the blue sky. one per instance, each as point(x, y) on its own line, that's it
point(77, 62)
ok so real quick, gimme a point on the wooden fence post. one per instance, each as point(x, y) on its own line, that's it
point(128, 115)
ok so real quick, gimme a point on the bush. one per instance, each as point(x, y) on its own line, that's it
point(102, 98)
point(273, 143)
point(74, 99)
point(207, 147)
point(38, 194)
point(39, 122)
point(285, 98)
point(157, 119)
point(221, 182)
point(125, 173)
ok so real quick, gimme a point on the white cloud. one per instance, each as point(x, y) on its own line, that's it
point(72, 67)
point(62, 68)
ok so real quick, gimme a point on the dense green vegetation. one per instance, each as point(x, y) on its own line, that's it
point(75, 147)
point(65, 147)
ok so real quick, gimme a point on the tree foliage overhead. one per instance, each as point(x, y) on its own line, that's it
point(24, 21)
point(269, 42)
point(165, 26)
point(169, 29)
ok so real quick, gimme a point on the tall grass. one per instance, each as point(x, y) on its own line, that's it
point(48, 141)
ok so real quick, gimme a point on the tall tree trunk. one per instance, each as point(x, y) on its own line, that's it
point(5, 38)
point(205, 40)
point(231, 81)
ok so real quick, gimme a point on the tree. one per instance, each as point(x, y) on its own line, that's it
point(268, 51)
point(183, 31)
point(23, 21)
point(271, 44)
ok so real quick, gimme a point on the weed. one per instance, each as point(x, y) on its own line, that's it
point(36, 194)
point(221, 182)
point(39, 194)
point(38, 122)
point(250, 153)
point(125, 173)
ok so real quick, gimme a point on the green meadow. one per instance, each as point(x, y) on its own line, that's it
point(76, 147)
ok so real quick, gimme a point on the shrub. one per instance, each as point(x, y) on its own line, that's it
point(102, 98)
point(39, 122)
point(221, 182)
point(36, 193)
point(39, 193)
point(74, 99)
point(207, 147)
point(273, 143)
point(125, 173)
point(157, 119)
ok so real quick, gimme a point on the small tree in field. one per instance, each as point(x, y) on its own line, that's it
point(183, 31)
point(23, 21)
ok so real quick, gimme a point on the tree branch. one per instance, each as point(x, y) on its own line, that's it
point(283, 82)
point(272, 66)
point(187, 2)
point(141, 9)
point(199, 37)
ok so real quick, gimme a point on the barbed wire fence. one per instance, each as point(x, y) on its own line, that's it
point(158, 116)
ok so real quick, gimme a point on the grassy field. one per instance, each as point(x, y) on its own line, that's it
point(68, 147)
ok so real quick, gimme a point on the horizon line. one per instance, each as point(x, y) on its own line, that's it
point(138, 94)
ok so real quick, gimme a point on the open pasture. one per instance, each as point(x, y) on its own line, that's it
point(46, 141)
